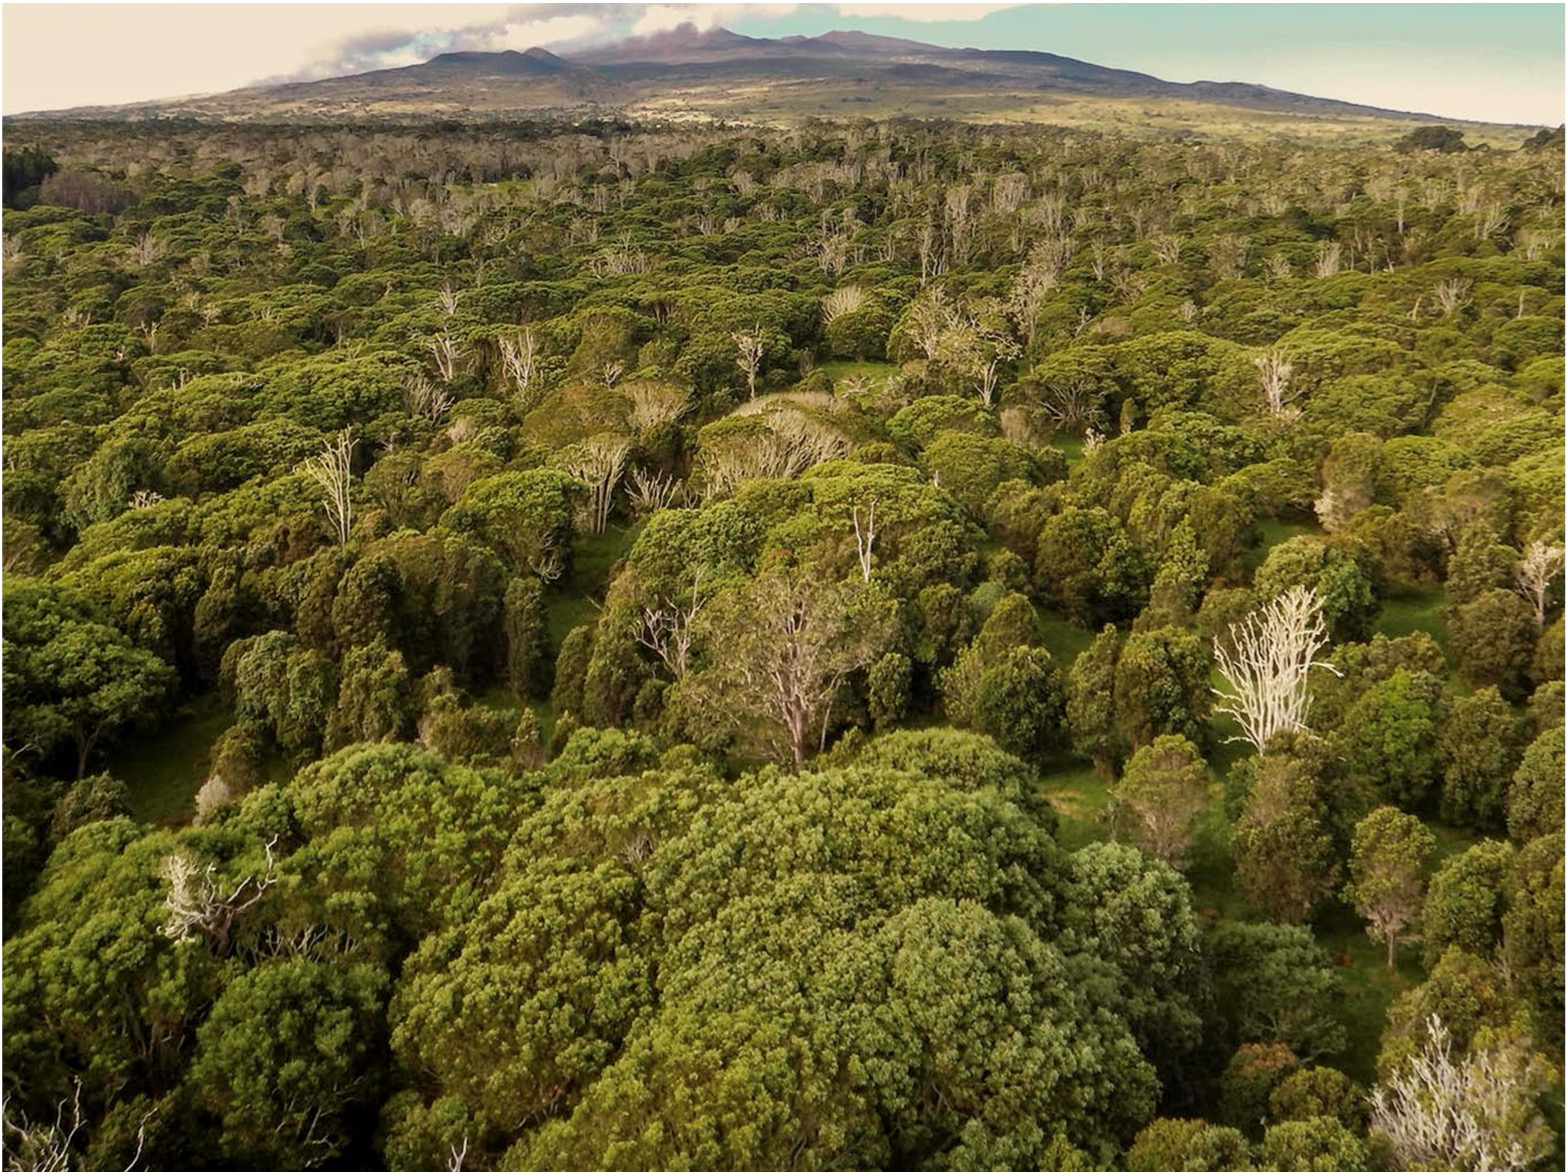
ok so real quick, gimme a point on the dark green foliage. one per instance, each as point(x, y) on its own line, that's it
point(1249, 1081)
point(1432, 138)
point(1493, 639)
point(1479, 744)
point(1388, 737)
point(1088, 567)
point(1319, 1091)
point(1285, 856)
point(71, 681)
point(1318, 1142)
point(443, 948)
point(1090, 707)
point(1464, 903)
point(888, 686)
point(284, 1056)
point(1534, 801)
point(1273, 983)
point(1167, 1144)
point(1161, 687)
point(527, 638)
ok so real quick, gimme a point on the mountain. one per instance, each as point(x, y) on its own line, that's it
point(687, 73)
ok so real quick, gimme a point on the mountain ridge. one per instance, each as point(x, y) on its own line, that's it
point(687, 72)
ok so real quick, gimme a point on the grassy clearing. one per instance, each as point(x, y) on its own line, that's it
point(875, 372)
point(164, 771)
point(593, 557)
point(1413, 609)
point(1064, 639)
point(1080, 798)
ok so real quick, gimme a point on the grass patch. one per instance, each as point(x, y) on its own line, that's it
point(1413, 609)
point(1369, 987)
point(1064, 639)
point(1081, 799)
point(164, 771)
point(593, 556)
point(875, 372)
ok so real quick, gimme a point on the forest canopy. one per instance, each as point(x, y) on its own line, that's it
point(874, 645)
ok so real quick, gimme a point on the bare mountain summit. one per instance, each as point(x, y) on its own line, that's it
point(684, 73)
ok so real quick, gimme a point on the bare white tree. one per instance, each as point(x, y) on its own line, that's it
point(1072, 403)
point(1277, 375)
point(1477, 1111)
point(930, 319)
point(864, 538)
point(599, 463)
point(656, 403)
point(1452, 295)
point(195, 903)
point(649, 492)
point(1541, 564)
point(1265, 663)
point(424, 398)
point(450, 355)
point(43, 1147)
point(332, 470)
point(752, 350)
point(145, 498)
point(669, 629)
point(519, 361)
point(844, 300)
point(1329, 258)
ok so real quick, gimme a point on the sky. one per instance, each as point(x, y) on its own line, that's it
point(1487, 62)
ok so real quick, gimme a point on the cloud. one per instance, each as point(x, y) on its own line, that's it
point(464, 27)
point(925, 13)
point(658, 18)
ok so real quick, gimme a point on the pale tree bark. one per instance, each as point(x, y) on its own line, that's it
point(788, 641)
point(1541, 564)
point(598, 463)
point(752, 350)
point(332, 470)
point(519, 361)
point(195, 903)
point(864, 538)
point(1277, 375)
point(1477, 1111)
point(1266, 662)
point(669, 630)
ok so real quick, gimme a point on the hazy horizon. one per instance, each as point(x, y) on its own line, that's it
point(1479, 62)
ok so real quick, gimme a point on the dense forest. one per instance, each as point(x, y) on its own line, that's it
point(870, 645)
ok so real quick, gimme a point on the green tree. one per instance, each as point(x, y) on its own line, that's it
point(527, 638)
point(1464, 904)
point(287, 1051)
point(1285, 856)
point(1391, 850)
point(1319, 1142)
point(1388, 737)
point(1479, 748)
point(1090, 707)
point(1534, 802)
point(1273, 983)
point(1492, 640)
point(1161, 795)
point(70, 680)
point(1161, 687)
